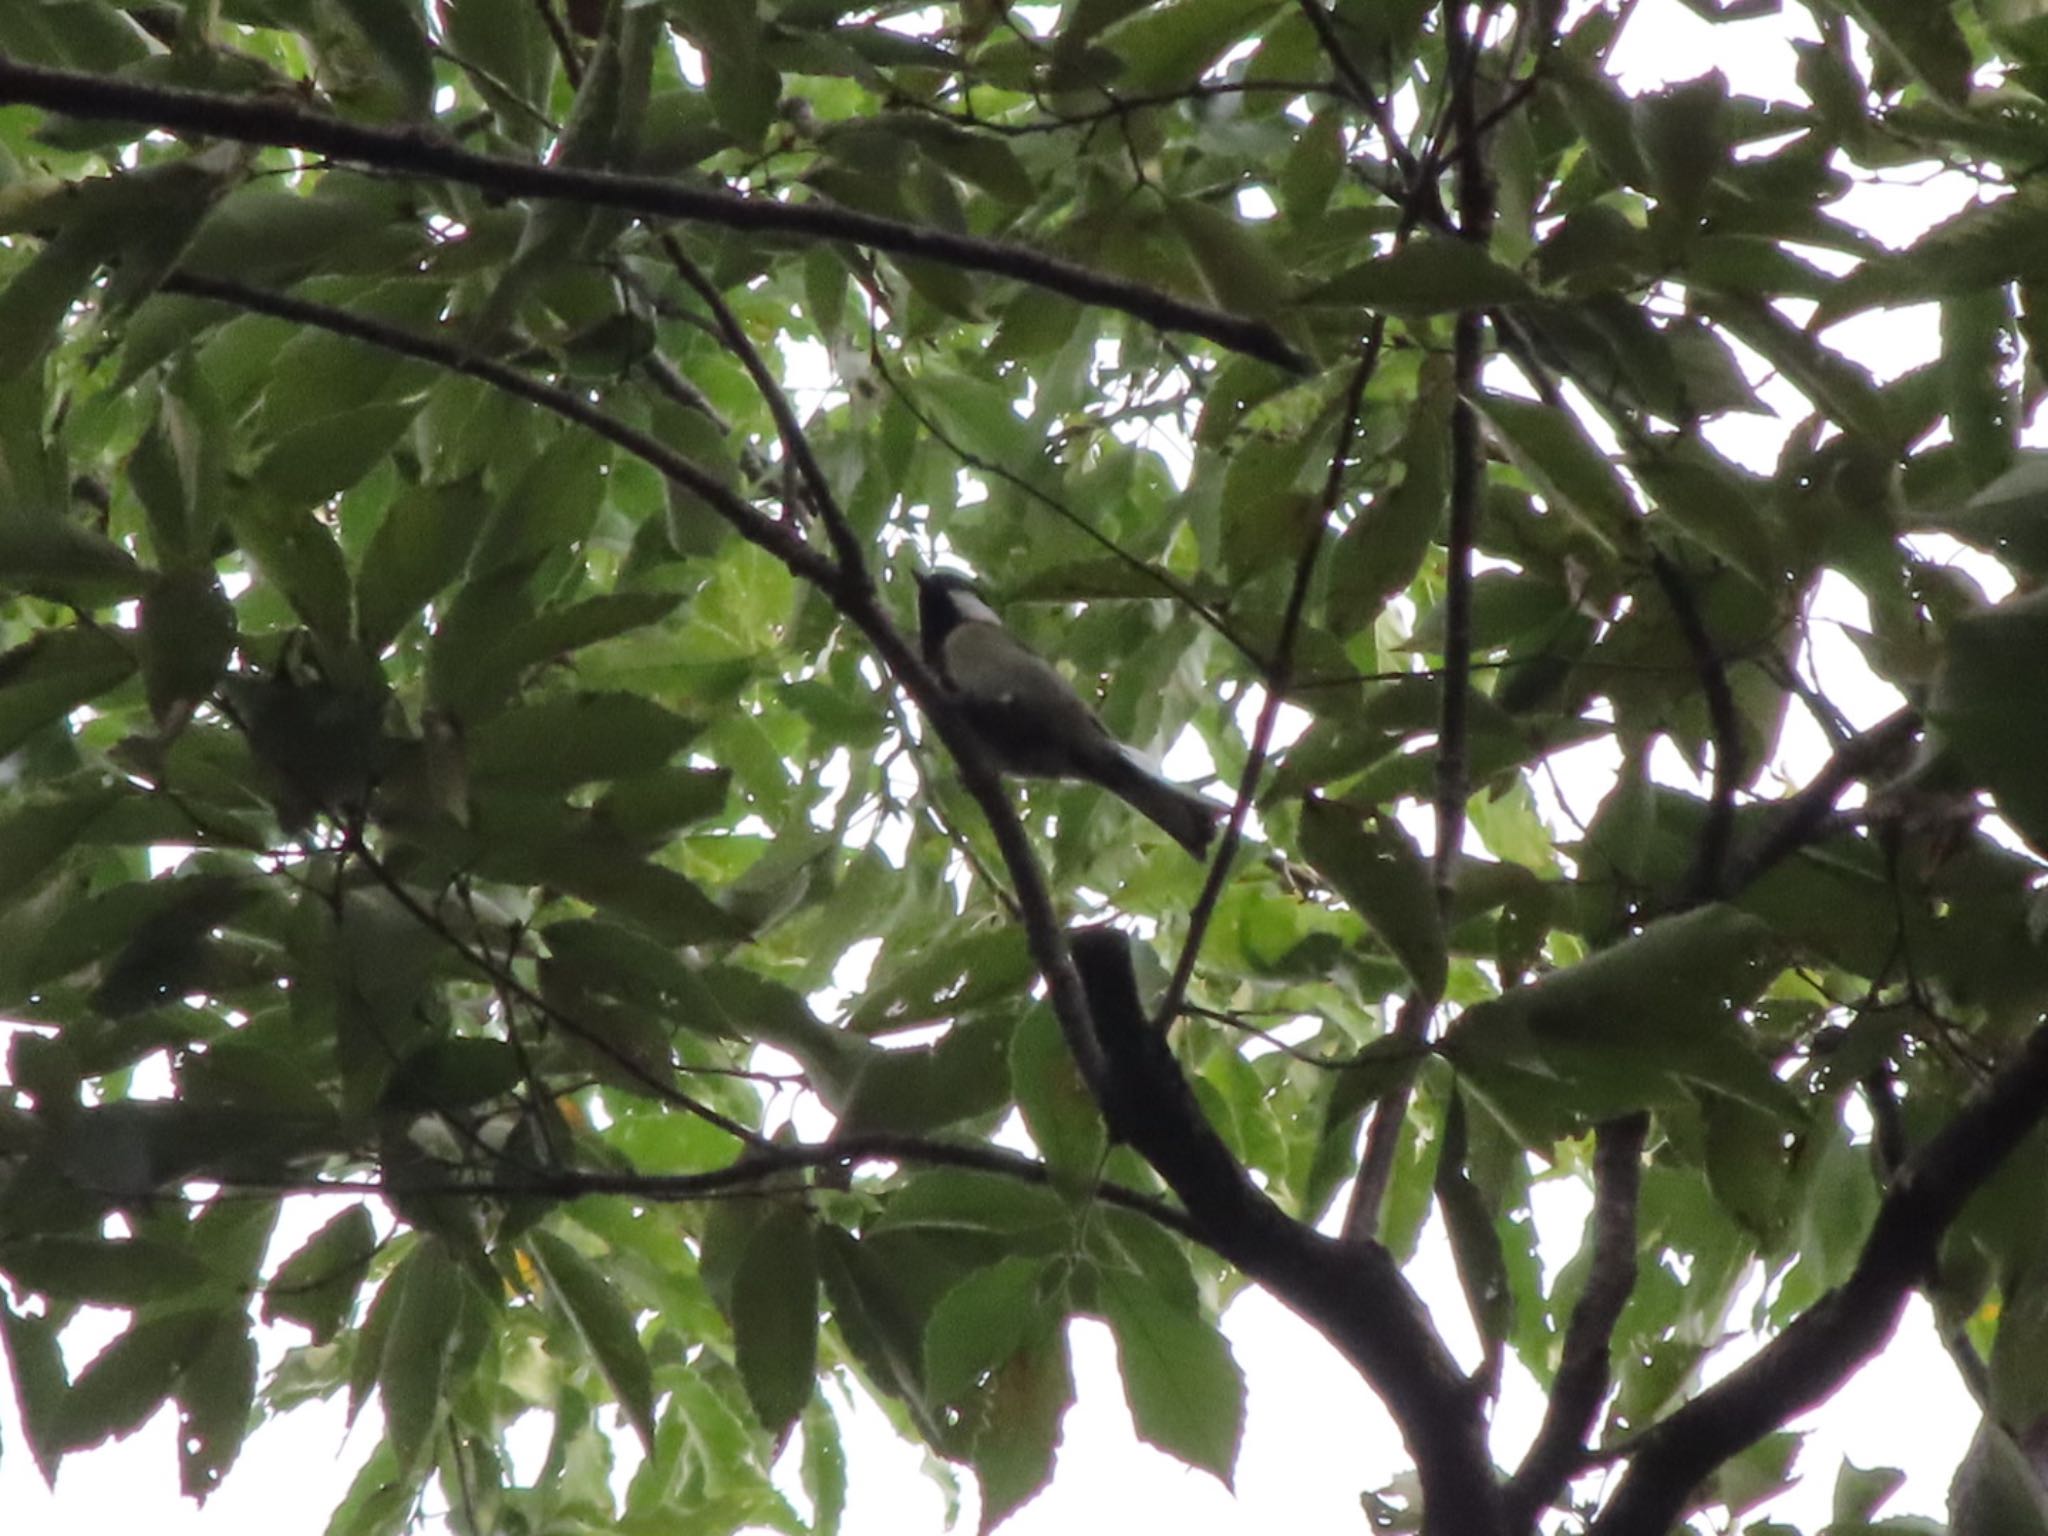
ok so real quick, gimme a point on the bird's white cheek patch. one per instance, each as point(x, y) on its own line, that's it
point(973, 610)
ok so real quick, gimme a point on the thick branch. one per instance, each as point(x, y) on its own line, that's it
point(1821, 1348)
point(1353, 1293)
point(268, 120)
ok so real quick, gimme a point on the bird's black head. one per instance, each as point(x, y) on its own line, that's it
point(946, 600)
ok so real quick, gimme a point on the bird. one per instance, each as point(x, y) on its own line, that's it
point(1030, 720)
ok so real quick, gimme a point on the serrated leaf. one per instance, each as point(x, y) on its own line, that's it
point(317, 460)
point(36, 1363)
point(422, 544)
point(216, 1399)
point(775, 1317)
point(131, 1378)
point(1185, 1391)
point(605, 1324)
point(412, 1369)
point(119, 1274)
point(1020, 1428)
point(1058, 1110)
point(1549, 446)
point(316, 1287)
point(1378, 870)
point(981, 1322)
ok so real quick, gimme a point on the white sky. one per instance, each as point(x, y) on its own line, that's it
point(1315, 1437)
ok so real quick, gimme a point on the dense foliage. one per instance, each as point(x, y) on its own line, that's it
point(464, 762)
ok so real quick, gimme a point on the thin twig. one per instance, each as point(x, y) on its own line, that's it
point(268, 120)
point(1468, 484)
point(748, 1173)
point(846, 543)
point(1703, 881)
point(1277, 675)
point(1169, 585)
point(512, 986)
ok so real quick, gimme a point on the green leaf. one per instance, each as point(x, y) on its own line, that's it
point(187, 633)
point(1431, 275)
point(132, 1377)
point(921, 1088)
point(1377, 869)
point(120, 1274)
point(41, 294)
point(422, 544)
point(296, 553)
point(1861, 1491)
point(1058, 1110)
point(36, 1363)
point(178, 470)
point(216, 1398)
point(1995, 714)
point(1996, 1491)
point(1020, 1427)
point(606, 1325)
point(316, 1287)
point(775, 1317)
point(1185, 1390)
point(392, 30)
point(984, 1320)
point(1241, 273)
point(916, 984)
point(1986, 244)
point(1925, 39)
point(41, 830)
point(572, 739)
point(1166, 46)
point(1549, 445)
point(44, 679)
point(317, 460)
point(1660, 1007)
point(1383, 549)
point(413, 1369)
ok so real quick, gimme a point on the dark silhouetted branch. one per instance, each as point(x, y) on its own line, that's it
point(285, 124)
point(1821, 1348)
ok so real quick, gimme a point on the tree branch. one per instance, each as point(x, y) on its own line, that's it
point(846, 543)
point(1353, 1293)
point(747, 1173)
point(855, 599)
point(1823, 1346)
point(1586, 1369)
point(1279, 675)
point(1703, 881)
point(1468, 485)
point(267, 120)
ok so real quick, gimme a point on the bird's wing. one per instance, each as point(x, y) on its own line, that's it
point(987, 662)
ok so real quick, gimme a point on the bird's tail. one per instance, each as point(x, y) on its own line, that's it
point(1180, 813)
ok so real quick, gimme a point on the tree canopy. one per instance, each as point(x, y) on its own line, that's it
point(466, 760)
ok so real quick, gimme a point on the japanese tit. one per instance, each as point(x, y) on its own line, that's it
point(1029, 718)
